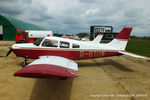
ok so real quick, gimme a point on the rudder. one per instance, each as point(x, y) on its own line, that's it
point(124, 34)
point(120, 41)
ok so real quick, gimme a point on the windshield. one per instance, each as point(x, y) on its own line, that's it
point(37, 42)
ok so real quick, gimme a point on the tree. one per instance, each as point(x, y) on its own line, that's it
point(82, 35)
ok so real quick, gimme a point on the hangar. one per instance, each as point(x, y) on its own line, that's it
point(9, 25)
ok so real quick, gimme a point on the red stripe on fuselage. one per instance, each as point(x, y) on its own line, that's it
point(74, 54)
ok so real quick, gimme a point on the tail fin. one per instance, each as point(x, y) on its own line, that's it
point(120, 41)
point(124, 34)
point(98, 38)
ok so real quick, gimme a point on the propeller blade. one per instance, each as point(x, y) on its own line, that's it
point(9, 52)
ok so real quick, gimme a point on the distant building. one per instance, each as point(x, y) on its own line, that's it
point(106, 30)
point(9, 26)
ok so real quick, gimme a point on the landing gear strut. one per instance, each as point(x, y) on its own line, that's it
point(24, 63)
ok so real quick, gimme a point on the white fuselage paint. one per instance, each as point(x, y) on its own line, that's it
point(83, 45)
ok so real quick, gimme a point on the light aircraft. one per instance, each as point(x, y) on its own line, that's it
point(55, 55)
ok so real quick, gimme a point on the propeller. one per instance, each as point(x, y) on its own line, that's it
point(9, 52)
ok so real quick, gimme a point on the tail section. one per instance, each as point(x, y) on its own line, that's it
point(120, 41)
point(98, 38)
point(124, 34)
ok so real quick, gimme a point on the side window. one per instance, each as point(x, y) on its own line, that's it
point(64, 44)
point(50, 43)
point(75, 46)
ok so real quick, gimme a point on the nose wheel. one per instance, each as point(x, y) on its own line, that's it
point(24, 63)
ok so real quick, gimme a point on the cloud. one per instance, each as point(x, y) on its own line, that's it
point(27, 1)
point(8, 11)
point(73, 16)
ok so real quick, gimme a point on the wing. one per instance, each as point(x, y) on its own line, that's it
point(132, 55)
point(49, 66)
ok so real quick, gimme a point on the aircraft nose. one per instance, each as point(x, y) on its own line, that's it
point(15, 46)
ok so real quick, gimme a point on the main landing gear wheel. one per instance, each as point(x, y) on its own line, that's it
point(24, 63)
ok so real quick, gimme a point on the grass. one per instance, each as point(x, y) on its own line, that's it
point(139, 46)
point(104, 41)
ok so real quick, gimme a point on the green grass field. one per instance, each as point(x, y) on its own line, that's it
point(139, 46)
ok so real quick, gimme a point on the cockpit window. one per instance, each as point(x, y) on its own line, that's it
point(50, 43)
point(64, 44)
point(75, 46)
point(37, 42)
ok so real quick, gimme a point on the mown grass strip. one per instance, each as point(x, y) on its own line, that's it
point(139, 46)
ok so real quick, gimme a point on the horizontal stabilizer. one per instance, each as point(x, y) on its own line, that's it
point(132, 55)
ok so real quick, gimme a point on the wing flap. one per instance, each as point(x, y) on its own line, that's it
point(50, 66)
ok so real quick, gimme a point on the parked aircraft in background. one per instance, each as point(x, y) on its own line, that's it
point(55, 55)
point(67, 37)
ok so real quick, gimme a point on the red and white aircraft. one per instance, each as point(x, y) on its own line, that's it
point(55, 55)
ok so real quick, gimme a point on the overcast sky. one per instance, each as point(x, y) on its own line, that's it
point(74, 16)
